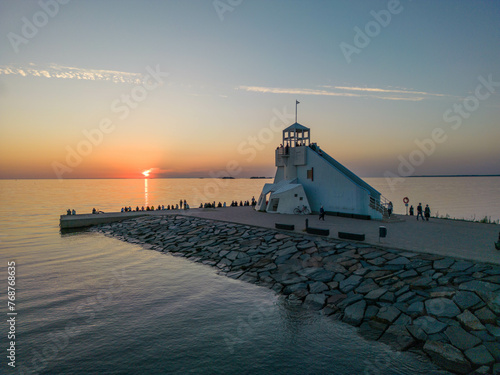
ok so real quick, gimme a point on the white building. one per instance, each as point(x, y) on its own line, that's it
point(308, 176)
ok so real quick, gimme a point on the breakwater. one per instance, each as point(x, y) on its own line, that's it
point(447, 308)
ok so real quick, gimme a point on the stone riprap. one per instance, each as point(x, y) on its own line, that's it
point(447, 308)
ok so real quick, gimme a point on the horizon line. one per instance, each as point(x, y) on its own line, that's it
point(229, 178)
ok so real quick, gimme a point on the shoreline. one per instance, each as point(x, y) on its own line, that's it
point(447, 308)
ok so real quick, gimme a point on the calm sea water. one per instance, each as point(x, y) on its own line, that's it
point(88, 304)
point(470, 198)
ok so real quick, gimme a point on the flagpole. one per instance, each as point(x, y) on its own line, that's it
point(296, 102)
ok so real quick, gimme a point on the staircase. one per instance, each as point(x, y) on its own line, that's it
point(380, 205)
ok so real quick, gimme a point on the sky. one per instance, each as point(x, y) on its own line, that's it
point(204, 88)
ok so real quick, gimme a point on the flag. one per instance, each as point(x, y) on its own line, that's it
point(297, 102)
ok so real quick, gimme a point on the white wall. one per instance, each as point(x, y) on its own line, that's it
point(288, 201)
point(330, 187)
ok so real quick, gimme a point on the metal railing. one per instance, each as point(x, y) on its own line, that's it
point(380, 205)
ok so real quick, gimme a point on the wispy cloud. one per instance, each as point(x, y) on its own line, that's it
point(368, 89)
point(66, 72)
point(357, 92)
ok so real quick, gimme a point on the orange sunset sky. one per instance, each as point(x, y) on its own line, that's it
point(93, 89)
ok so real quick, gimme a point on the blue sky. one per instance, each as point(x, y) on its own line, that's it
point(232, 66)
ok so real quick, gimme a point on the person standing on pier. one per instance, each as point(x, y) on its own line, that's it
point(427, 212)
point(389, 209)
point(419, 211)
point(322, 213)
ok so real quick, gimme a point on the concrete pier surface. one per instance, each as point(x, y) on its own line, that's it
point(87, 220)
point(459, 239)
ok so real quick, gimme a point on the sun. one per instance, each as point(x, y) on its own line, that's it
point(146, 173)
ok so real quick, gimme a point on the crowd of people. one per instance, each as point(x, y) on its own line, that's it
point(182, 205)
point(233, 204)
point(424, 213)
point(284, 150)
point(179, 206)
point(73, 212)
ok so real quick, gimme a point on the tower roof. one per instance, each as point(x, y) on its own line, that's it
point(295, 126)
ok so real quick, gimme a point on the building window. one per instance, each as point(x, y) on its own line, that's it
point(310, 174)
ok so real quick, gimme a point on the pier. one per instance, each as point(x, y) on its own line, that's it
point(88, 220)
point(460, 239)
